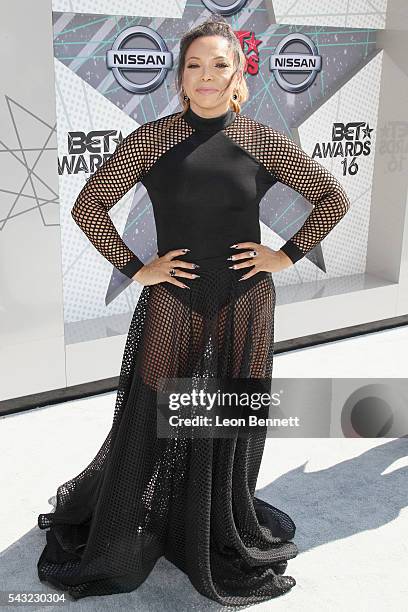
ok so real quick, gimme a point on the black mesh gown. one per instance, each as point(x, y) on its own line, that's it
point(189, 499)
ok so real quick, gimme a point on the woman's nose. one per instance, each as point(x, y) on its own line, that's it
point(206, 73)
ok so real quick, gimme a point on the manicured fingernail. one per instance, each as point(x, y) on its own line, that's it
point(185, 250)
point(233, 246)
point(232, 257)
point(231, 266)
point(186, 287)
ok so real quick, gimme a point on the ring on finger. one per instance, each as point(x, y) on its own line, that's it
point(172, 272)
point(254, 253)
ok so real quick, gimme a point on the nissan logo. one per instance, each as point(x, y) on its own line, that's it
point(296, 54)
point(139, 59)
point(226, 8)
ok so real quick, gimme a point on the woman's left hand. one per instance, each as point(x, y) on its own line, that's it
point(263, 259)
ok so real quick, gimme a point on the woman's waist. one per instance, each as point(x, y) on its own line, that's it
point(207, 260)
point(208, 250)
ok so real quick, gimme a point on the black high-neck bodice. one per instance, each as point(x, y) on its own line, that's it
point(209, 124)
point(206, 177)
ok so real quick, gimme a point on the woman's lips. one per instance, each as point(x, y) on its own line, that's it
point(206, 91)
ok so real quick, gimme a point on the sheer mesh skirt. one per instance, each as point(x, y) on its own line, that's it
point(191, 500)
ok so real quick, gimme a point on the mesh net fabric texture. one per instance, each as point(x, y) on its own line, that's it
point(102, 191)
point(131, 160)
point(191, 500)
point(143, 148)
point(290, 165)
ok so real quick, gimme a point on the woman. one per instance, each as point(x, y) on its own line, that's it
point(190, 499)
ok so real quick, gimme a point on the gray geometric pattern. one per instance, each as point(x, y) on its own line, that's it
point(345, 248)
point(341, 13)
point(171, 8)
point(86, 274)
point(34, 161)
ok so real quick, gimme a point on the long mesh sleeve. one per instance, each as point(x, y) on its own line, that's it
point(293, 167)
point(102, 191)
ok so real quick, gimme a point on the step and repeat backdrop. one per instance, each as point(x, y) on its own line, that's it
point(332, 81)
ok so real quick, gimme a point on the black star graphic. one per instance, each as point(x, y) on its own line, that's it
point(367, 131)
point(119, 139)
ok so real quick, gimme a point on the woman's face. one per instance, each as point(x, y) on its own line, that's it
point(209, 64)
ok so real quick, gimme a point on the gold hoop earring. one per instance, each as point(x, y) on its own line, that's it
point(236, 107)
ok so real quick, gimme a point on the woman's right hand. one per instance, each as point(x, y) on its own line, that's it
point(157, 271)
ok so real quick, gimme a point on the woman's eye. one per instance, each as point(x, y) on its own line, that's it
point(194, 65)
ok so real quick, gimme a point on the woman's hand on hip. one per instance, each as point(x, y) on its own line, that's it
point(262, 259)
point(158, 270)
